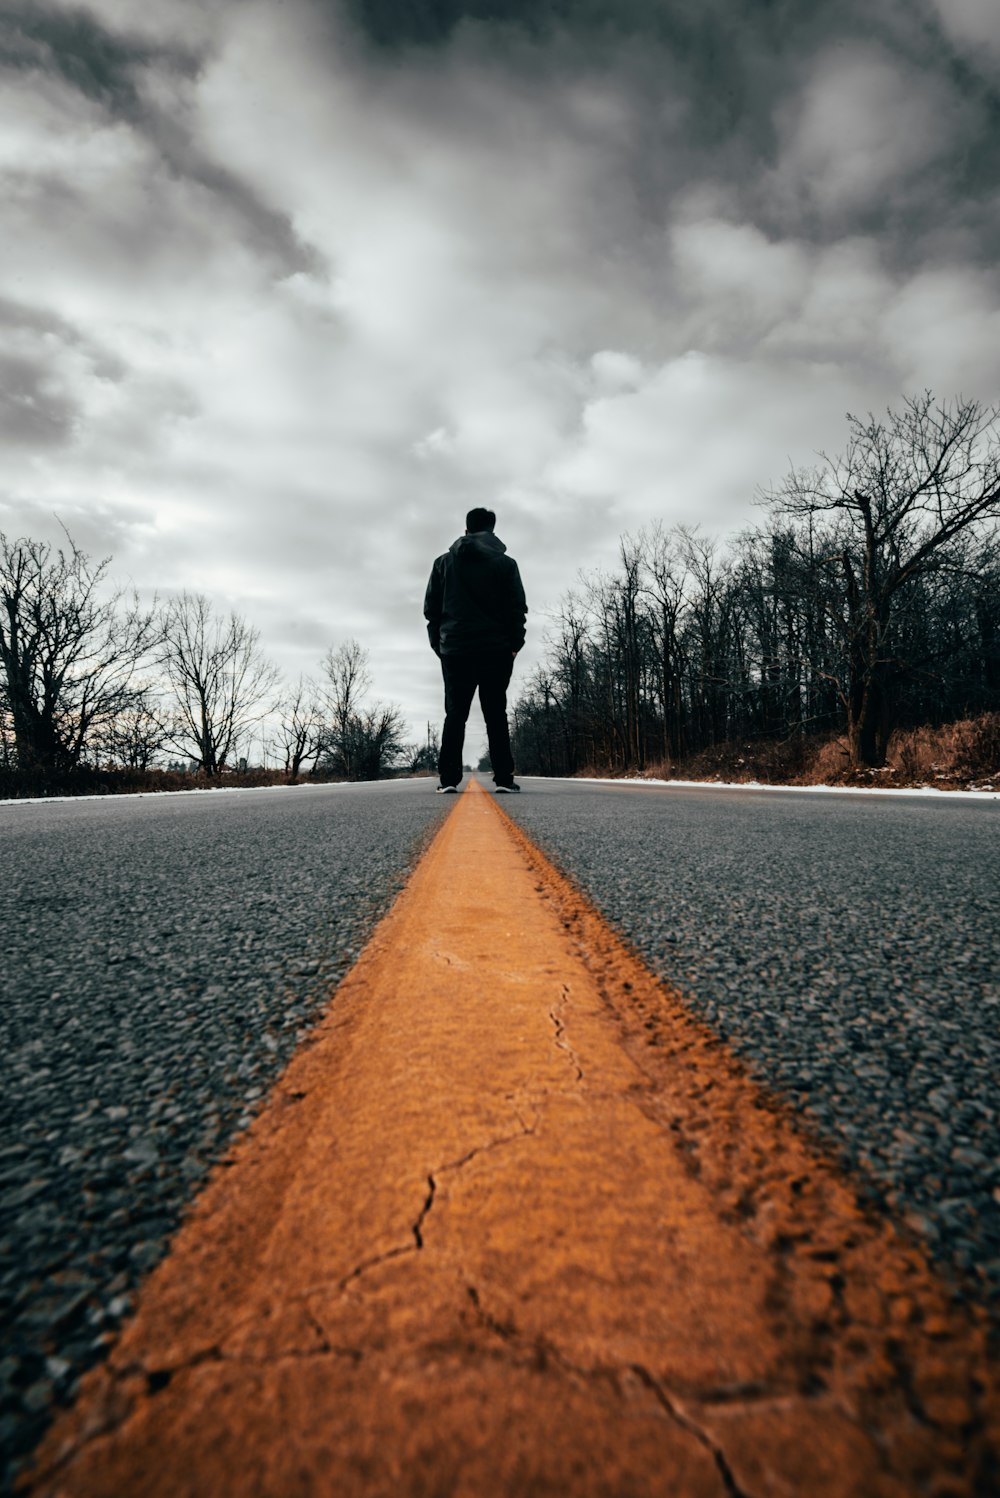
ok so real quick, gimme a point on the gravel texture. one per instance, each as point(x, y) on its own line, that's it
point(848, 948)
point(161, 958)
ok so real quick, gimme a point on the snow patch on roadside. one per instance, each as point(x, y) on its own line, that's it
point(761, 785)
point(208, 790)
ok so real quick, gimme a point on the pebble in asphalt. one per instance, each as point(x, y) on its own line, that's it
point(161, 959)
point(847, 947)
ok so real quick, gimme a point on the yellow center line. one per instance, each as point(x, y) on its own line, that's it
point(512, 1223)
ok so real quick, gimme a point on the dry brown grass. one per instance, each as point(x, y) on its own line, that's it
point(969, 749)
point(956, 756)
point(773, 761)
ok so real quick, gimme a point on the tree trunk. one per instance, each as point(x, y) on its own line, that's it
point(868, 721)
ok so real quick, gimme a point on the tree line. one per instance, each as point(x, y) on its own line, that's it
point(90, 677)
point(867, 600)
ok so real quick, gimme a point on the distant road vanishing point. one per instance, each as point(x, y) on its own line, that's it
point(515, 1218)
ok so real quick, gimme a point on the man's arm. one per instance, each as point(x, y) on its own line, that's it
point(432, 608)
point(518, 608)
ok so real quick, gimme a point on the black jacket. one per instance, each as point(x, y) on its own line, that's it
point(474, 599)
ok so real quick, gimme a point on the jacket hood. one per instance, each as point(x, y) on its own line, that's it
point(481, 543)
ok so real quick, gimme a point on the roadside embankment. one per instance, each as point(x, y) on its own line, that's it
point(958, 756)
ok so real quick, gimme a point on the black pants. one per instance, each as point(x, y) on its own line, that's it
point(489, 670)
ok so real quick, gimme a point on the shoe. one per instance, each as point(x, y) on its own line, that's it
point(508, 790)
point(447, 790)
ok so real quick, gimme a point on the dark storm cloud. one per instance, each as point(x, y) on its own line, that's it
point(45, 326)
point(39, 404)
point(101, 64)
point(711, 45)
point(80, 513)
point(736, 70)
point(719, 40)
point(110, 68)
point(270, 232)
point(32, 412)
point(690, 27)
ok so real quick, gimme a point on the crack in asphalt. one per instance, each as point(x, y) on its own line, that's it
point(734, 1396)
point(364, 1267)
point(526, 1128)
point(156, 1380)
point(545, 1352)
point(215, 1354)
point(680, 1417)
point(559, 1025)
point(524, 1132)
point(428, 1204)
point(150, 1382)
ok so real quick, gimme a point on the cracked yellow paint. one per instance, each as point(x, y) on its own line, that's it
point(512, 1224)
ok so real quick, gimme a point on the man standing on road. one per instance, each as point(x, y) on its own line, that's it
point(475, 612)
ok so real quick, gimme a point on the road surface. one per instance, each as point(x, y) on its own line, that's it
point(161, 958)
point(507, 1183)
point(848, 946)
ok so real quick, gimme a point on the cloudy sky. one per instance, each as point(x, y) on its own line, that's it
point(287, 285)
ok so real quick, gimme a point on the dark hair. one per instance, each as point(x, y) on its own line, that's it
point(480, 520)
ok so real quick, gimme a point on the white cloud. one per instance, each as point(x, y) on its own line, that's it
point(615, 371)
point(944, 326)
point(741, 284)
point(973, 26)
point(841, 298)
point(862, 126)
point(696, 440)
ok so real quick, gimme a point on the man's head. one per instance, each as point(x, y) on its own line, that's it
point(479, 520)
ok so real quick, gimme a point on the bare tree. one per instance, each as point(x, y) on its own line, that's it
point(359, 741)
point(711, 633)
point(347, 681)
point(134, 736)
point(901, 493)
point(423, 756)
point(569, 643)
point(8, 749)
point(70, 648)
point(665, 587)
point(378, 740)
point(218, 677)
point(300, 730)
point(874, 603)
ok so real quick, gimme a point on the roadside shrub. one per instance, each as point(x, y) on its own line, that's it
point(828, 762)
point(976, 746)
point(968, 749)
point(950, 756)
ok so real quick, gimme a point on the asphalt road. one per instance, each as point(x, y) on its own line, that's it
point(161, 959)
point(847, 946)
point(508, 1227)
